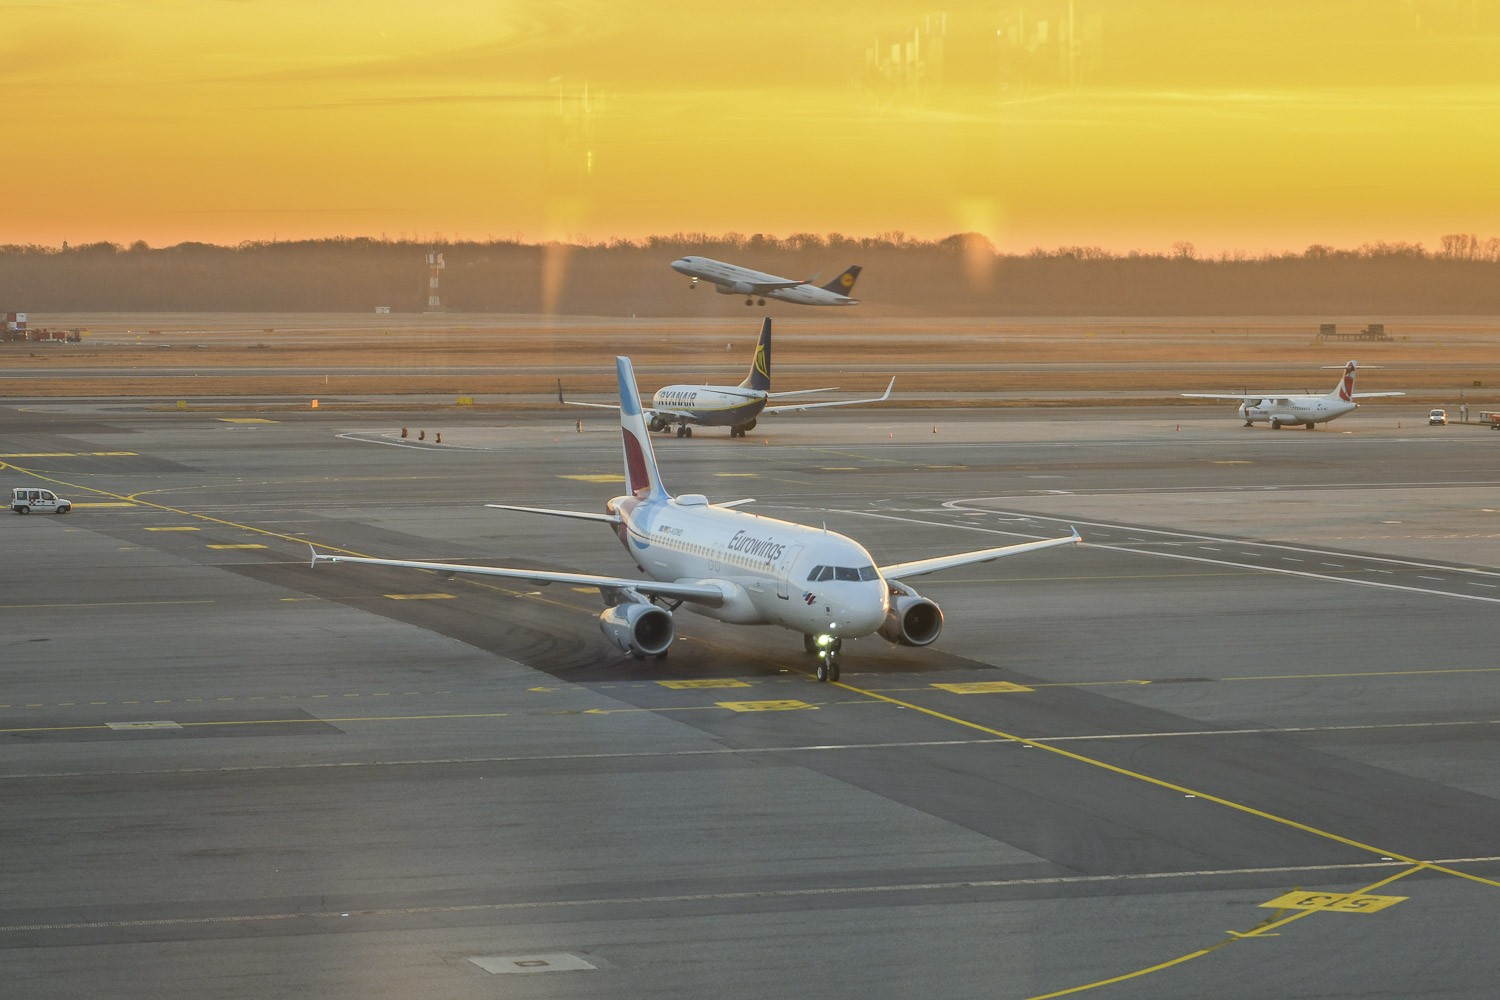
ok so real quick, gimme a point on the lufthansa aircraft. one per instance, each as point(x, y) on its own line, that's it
point(732, 406)
point(757, 286)
point(734, 566)
point(1281, 408)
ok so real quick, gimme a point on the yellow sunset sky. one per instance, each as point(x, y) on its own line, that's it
point(1128, 124)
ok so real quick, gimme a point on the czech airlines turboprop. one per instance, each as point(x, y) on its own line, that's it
point(732, 406)
point(757, 286)
point(734, 566)
point(1282, 408)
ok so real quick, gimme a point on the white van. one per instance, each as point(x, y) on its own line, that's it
point(1437, 418)
point(24, 500)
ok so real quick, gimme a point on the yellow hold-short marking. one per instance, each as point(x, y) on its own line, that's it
point(247, 420)
point(597, 478)
point(242, 545)
point(178, 527)
point(726, 682)
point(764, 706)
point(983, 687)
point(421, 597)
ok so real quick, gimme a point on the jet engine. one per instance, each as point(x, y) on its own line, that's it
point(748, 425)
point(737, 288)
point(912, 620)
point(639, 629)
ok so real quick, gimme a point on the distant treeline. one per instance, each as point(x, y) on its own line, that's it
point(962, 275)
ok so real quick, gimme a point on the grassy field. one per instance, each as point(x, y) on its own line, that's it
point(500, 360)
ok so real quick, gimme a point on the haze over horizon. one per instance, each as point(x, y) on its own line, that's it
point(1125, 125)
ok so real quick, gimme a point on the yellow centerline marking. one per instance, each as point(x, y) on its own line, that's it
point(1262, 929)
point(247, 420)
point(1170, 786)
point(177, 527)
point(99, 604)
point(71, 454)
point(103, 503)
point(240, 545)
point(606, 477)
point(421, 597)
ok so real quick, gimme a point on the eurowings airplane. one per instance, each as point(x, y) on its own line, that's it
point(732, 406)
point(757, 286)
point(734, 566)
point(1281, 408)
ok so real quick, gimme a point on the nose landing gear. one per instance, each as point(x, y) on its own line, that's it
point(826, 648)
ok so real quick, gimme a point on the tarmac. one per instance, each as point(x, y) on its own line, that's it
point(1241, 743)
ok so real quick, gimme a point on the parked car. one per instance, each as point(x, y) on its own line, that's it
point(1437, 418)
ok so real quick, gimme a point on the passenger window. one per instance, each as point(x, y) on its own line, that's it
point(847, 573)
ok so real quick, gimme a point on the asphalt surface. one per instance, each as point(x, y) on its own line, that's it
point(1242, 743)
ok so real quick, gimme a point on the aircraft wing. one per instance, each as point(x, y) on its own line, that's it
point(772, 286)
point(1372, 395)
point(581, 515)
point(574, 402)
point(838, 402)
point(800, 392)
point(697, 593)
point(904, 571)
point(1241, 395)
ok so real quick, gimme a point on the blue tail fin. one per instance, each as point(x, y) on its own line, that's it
point(641, 477)
point(760, 368)
point(844, 283)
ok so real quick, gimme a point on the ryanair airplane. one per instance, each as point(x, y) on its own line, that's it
point(735, 407)
point(734, 566)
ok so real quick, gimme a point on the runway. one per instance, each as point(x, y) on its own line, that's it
point(1242, 743)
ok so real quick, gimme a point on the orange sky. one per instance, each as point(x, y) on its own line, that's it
point(1120, 123)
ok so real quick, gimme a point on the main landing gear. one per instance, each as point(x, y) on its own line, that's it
point(684, 431)
point(752, 301)
point(826, 648)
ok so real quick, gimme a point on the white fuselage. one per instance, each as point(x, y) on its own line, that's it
point(709, 405)
point(1295, 409)
point(764, 561)
point(731, 279)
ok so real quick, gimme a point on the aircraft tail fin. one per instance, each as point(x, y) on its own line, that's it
point(1345, 389)
point(844, 283)
point(760, 369)
point(642, 479)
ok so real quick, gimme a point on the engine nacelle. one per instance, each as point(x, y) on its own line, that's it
point(638, 629)
point(748, 425)
point(912, 620)
point(735, 288)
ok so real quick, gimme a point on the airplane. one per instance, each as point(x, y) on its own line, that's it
point(735, 407)
point(1282, 408)
point(757, 286)
point(732, 566)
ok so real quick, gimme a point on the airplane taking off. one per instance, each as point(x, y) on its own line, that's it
point(1281, 408)
point(757, 286)
point(733, 566)
point(732, 406)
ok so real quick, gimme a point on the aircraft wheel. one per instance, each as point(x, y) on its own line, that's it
point(822, 672)
point(1275, 425)
point(761, 302)
point(749, 302)
point(1309, 426)
point(687, 432)
point(809, 644)
point(833, 668)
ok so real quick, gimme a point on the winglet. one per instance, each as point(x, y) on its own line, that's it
point(1076, 536)
point(559, 393)
point(888, 389)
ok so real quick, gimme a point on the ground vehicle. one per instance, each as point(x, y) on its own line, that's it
point(1437, 418)
point(24, 500)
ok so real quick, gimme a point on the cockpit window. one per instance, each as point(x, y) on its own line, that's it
point(827, 573)
point(868, 573)
point(846, 573)
point(813, 576)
